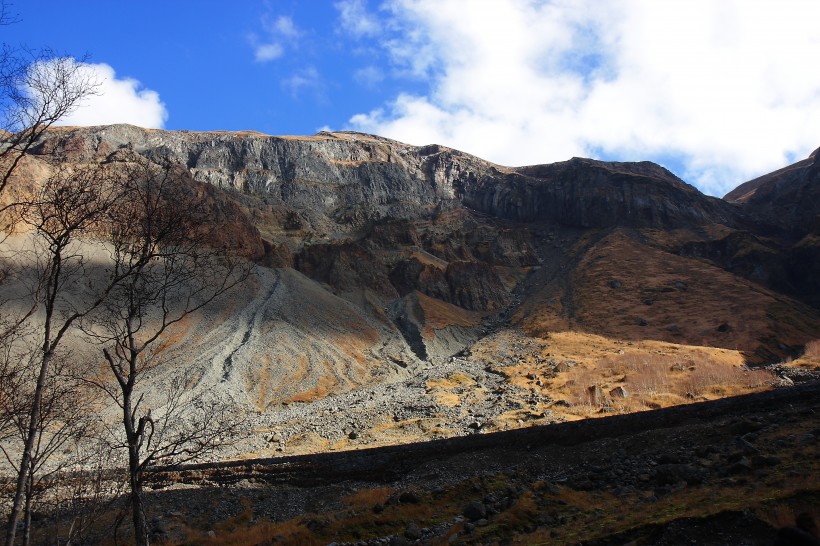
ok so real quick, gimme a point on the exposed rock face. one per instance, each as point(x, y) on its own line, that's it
point(404, 254)
point(476, 286)
point(588, 193)
point(471, 285)
point(786, 204)
point(410, 275)
point(352, 179)
point(432, 327)
point(788, 198)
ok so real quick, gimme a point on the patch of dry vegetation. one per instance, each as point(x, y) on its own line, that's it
point(651, 375)
point(628, 290)
point(449, 391)
point(811, 356)
point(581, 375)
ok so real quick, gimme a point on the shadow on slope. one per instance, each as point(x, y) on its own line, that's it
point(622, 288)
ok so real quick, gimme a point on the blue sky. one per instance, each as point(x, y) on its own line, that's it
point(719, 91)
point(199, 56)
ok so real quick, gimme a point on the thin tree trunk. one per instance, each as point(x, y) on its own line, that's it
point(134, 439)
point(138, 512)
point(25, 463)
point(27, 516)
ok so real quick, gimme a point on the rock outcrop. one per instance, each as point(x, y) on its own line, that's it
point(785, 204)
point(787, 199)
point(352, 179)
point(588, 193)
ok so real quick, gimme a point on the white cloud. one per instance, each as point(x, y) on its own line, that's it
point(355, 18)
point(285, 26)
point(727, 88)
point(116, 101)
point(280, 32)
point(267, 52)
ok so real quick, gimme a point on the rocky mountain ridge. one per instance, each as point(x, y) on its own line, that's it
point(378, 260)
point(348, 178)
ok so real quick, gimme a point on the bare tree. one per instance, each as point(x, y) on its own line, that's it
point(36, 90)
point(6, 16)
point(65, 415)
point(162, 237)
point(70, 204)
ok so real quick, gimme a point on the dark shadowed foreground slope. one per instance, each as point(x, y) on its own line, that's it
point(734, 471)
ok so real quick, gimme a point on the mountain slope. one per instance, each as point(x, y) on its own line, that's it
point(389, 273)
point(786, 204)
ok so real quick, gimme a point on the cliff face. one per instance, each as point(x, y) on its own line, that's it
point(589, 193)
point(405, 254)
point(787, 199)
point(786, 204)
point(339, 181)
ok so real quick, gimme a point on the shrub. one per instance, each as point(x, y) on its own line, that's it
point(812, 348)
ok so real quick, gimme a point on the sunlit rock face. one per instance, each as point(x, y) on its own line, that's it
point(378, 260)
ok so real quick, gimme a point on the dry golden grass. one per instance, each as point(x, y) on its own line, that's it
point(365, 499)
point(812, 349)
point(810, 359)
point(627, 290)
point(443, 389)
point(653, 374)
point(676, 238)
point(327, 384)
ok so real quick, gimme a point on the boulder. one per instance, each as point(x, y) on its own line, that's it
point(475, 511)
point(618, 392)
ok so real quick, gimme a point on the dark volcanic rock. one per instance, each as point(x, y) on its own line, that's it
point(786, 203)
point(788, 198)
point(410, 275)
point(588, 193)
point(343, 266)
point(475, 511)
point(476, 286)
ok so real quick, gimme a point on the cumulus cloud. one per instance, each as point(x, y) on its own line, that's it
point(285, 26)
point(279, 32)
point(116, 100)
point(725, 89)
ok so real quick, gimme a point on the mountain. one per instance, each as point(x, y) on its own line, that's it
point(422, 291)
point(787, 203)
point(785, 198)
